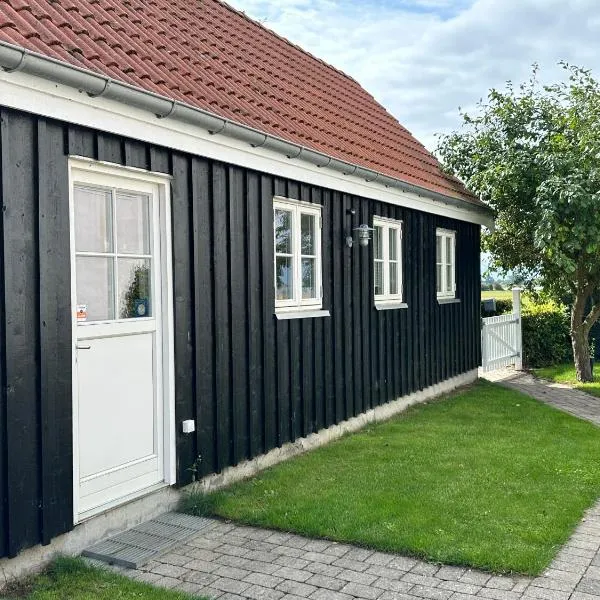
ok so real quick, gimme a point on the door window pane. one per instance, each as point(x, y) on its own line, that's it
point(284, 277)
point(283, 231)
point(309, 288)
point(93, 219)
point(133, 223)
point(307, 234)
point(95, 287)
point(135, 281)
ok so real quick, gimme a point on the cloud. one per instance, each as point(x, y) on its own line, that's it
point(422, 59)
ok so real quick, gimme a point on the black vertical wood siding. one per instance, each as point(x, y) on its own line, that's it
point(251, 382)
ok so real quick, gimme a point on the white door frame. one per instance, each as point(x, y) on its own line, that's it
point(163, 182)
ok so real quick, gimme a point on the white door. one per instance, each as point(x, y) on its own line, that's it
point(118, 388)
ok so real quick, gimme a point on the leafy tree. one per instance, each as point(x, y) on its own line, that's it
point(533, 154)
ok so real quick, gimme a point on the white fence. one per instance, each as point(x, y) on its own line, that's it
point(501, 341)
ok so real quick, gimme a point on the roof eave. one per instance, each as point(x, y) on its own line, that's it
point(16, 58)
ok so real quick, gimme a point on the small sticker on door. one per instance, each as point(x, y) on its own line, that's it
point(82, 312)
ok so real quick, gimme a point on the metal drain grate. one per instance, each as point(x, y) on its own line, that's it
point(135, 547)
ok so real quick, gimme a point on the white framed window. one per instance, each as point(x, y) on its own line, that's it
point(297, 240)
point(387, 257)
point(445, 252)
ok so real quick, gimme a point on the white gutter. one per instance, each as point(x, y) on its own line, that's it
point(15, 58)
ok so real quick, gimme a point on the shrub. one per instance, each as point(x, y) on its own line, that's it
point(503, 307)
point(546, 339)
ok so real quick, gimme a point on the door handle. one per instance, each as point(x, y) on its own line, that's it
point(83, 347)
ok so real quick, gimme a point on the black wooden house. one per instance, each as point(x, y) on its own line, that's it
point(213, 244)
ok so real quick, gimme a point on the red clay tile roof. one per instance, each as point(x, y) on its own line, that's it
point(208, 55)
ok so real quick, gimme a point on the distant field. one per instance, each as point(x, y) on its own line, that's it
point(499, 295)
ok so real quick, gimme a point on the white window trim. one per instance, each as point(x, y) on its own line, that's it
point(386, 298)
point(448, 287)
point(297, 303)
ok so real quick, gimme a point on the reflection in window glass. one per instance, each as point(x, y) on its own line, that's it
point(284, 278)
point(95, 287)
point(377, 243)
point(93, 219)
point(393, 248)
point(307, 234)
point(379, 278)
point(134, 288)
point(309, 288)
point(393, 278)
point(283, 232)
point(133, 223)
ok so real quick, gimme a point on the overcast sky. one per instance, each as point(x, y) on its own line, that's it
point(422, 59)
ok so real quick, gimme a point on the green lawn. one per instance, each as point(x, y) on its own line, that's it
point(73, 579)
point(488, 478)
point(566, 374)
point(498, 295)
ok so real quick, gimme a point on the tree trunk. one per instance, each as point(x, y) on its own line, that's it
point(581, 353)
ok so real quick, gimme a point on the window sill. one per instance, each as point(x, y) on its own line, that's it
point(390, 305)
point(448, 300)
point(301, 314)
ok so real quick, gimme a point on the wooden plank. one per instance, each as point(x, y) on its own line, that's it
point(56, 402)
point(374, 332)
point(238, 316)
point(366, 301)
point(256, 381)
point(283, 381)
point(348, 324)
point(81, 142)
point(340, 255)
point(269, 350)
point(202, 257)
point(428, 299)
point(412, 285)
point(183, 292)
point(3, 424)
point(21, 304)
point(136, 154)
point(318, 353)
point(221, 317)
point(109, 148)
point(330, 249)
point(160, 160)
point(296, 408)
point(357, 269)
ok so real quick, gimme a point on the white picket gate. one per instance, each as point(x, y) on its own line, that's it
point(501, 338)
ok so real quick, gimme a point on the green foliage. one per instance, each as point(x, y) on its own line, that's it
point(503, 307)
point(73, 579)
point(197, 502)
point(139, 289)
point(546, 339)
point(565, 373)
point(531, 153)
point(478, 479)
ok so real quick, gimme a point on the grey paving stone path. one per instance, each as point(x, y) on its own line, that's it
point(233, 562)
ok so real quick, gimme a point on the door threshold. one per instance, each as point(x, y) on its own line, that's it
point(104, 508)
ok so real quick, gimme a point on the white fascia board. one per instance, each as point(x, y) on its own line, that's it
point(39, 96)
